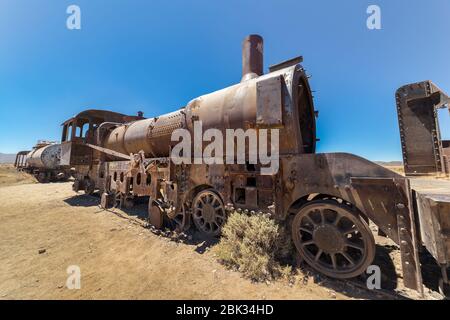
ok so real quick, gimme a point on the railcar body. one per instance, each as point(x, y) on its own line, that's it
point(43, 161)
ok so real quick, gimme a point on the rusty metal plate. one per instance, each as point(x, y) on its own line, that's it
point(419, 130)
point(434, 216)
point(269, 107)
point(388, 203)
point(66, 153)
point(251, 197)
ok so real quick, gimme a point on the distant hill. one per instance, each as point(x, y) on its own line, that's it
point(389, 163)
point(7, 158)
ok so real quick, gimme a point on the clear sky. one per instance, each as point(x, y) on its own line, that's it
point(155, 56)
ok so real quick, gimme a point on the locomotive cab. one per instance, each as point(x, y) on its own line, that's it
point(74, 135)
point(82, 129)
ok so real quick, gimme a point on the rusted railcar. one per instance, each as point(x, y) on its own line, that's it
point(43, 161)
point(426, 160)
point(328, 199)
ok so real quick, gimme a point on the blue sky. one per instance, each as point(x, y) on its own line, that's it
point(155, 56)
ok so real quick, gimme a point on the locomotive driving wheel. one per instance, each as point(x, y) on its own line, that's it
point(42, 177)
point(181, 220)
point(89, 186)
point(155, 214)
point(118, 199)
point(333, 239)
point(208, 212)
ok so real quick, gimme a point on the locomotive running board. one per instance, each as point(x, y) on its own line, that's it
point(402, 229)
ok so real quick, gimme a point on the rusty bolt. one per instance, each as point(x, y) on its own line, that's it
point(400, 206)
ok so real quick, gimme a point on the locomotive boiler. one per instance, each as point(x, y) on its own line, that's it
point(327, 199)
point(282, 99)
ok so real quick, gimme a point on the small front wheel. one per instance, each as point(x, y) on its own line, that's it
point(333, 239)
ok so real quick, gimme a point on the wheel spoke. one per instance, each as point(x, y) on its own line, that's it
point(333, 260)
point(351, 230)
point(337, 219)
point(311, 220)
point(307, 243)
point(306, 230)
point(322, 216)
point(354, 245)
point(319, 253)
point(348, 258)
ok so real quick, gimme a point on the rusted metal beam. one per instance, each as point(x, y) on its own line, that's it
point(109, 151)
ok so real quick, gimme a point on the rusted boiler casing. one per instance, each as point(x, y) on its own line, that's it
point(47, 157)
point(280, 99)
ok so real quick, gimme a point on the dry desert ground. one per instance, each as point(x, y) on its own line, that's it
point(45, 228)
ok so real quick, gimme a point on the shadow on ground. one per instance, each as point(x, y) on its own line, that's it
point(138, 211)
point(355, 288)
point(83, 200)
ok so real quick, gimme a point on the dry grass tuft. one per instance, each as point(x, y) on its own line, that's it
point(10, 176)
point(256, 246)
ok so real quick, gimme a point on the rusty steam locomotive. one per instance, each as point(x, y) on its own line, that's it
point(328, 199)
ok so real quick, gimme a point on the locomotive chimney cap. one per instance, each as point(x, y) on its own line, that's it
point(252, 57)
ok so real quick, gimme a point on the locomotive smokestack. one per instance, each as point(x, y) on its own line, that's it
point(252, 57)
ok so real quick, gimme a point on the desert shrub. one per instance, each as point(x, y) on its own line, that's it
point(256, 246)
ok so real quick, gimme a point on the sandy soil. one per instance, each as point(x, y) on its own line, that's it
point(46, 228)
